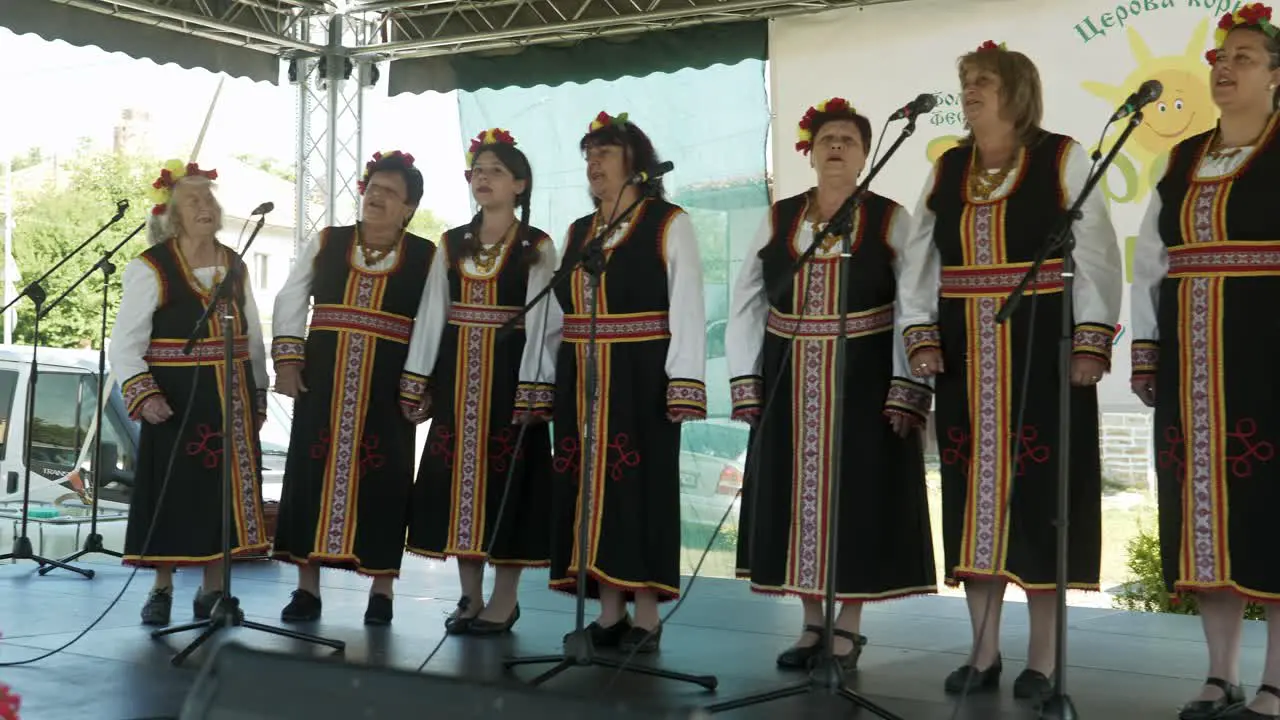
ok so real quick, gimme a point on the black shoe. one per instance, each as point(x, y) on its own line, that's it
point(379, 610)
point(968, 678)
point(606, 637)
point(799, 658)
point(304, 607)
point(848, 662)
point(456, 624)
point(1242, 712)
point(1232, 698)
point(480, 626)
point(203, 603)
point(641, 641)
point(1032, 685)
point(158, 607)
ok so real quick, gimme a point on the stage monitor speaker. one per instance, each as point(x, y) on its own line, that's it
point(243, 684)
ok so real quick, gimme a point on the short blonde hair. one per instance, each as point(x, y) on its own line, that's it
point(166, 225)
point(1021, 96)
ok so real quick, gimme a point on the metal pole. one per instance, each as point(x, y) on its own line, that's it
point(9, 270)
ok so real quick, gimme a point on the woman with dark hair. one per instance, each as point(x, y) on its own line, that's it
point(986, 211)
point(885, 546)
point(175, 517)
point(648, 377)
point(349, 473)
point(1206, 262)
point(483, 491)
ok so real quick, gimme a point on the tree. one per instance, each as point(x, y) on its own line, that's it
point(51, 222)
point(427, 224)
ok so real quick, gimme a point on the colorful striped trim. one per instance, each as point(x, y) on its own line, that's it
point(493, 316)
point(630, 327)
point(910, 398)
point(288, 349)
point(1144, 356)
point(375, 323)
point(413, 387)
point(969, 281)
point(747, 393)
point(136, 390)
point(1225, 259)
point(920, 337)
point(168, 351)
point(535, 400)
point(858, 324)
point(687, 399)
point(1094, 340)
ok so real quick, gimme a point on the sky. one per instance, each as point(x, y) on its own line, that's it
point(54, 94)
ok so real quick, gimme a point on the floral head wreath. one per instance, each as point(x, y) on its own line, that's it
point(831, 106)
point(1255, 14)
point(363, 182)
point(493, 136)
point(991, 45)
point(604, 120)
point(171, 172)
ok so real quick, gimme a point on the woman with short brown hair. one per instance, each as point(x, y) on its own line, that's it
point(984, 215)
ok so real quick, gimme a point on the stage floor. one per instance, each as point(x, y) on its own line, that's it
point(1122, 665)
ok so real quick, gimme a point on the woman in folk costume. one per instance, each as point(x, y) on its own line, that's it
point(649, 369)
point(883, 503)
point(464, 376)
point(1207, 259)
point(350, 468)
point(985, 212)
point(174, 514)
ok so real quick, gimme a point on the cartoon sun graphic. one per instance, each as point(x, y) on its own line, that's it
point(1184, 109)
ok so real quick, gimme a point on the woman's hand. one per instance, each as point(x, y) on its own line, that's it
point(927, 362)
point(1086, 371)
point(902, 423)
point(419, 414)
point(156, 410)
point(1144, 386)
point(289, 380)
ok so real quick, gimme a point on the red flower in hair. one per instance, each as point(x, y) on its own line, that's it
point(989, 45)
point(10, 703)
point(1211, 56)
point(363, 182)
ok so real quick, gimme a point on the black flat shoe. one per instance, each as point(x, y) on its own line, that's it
point(379, 610)
point(1242, 712)
point(480, 626)
point(1232, 698)
point(606, 637)
point(158, 607)
point(1032, 685)
point(204, 602)
point(848, 662)
point(304, 607)
point(641, 641)
point(968, 678)
point(456, 624)
point(799, 658)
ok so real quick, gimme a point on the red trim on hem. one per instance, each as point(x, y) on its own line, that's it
point(568, 586)
point(345, 565)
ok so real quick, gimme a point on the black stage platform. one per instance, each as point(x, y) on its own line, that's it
point(1124, 665)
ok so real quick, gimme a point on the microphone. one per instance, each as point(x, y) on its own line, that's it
point(1147, 93)
point(653, 173)
point(923, 103)
point(122, 206)
point(263, 209)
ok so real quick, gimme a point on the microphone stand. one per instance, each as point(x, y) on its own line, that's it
point(826, 676)
point(22, 549)
point(226, 613)
point(93, 543)
point(1059, 704)
point(578, 648)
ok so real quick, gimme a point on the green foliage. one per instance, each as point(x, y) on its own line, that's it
point(427, 224)
point(1146, 591)
point(51, 222)
point(271, 165)
point(711, 227)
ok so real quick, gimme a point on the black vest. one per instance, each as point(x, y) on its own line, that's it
point(512, 278)
point(636, 268)
point(180, 306)
point(405, 280)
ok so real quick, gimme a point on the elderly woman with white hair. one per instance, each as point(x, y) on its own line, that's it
point(173, 517)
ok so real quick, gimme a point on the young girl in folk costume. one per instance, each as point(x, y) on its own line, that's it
point(166, 290)
point(350, 468)
point(885, 547)
point(650, 366)
point(480, 495)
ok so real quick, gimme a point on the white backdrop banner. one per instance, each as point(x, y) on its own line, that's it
point(1091, 55)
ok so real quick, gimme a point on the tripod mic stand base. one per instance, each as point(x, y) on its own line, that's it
point(227, 614)
point(22, 551)
point(92, 544)
point(825, 678)
point(579, 652)
point(1058, 707)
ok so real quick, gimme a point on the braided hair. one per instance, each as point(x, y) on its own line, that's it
point(460, 248)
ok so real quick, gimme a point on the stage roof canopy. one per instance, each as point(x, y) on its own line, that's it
point(437, 45)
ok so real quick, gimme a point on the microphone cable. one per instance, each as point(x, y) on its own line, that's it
point(753, 451)
point(1014, 457)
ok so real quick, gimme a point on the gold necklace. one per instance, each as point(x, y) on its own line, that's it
point(372, 256)
point(487, 256)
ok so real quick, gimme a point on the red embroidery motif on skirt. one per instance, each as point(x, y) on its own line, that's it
point(1243, 437)
point(502, 445)
point(958, 452)
point(441, 444)
point(207, 444)
point(1174, 452)
point(566, 459)
point(369, 455)
point(1029, 450)
point(320, 448)
point(620, 456)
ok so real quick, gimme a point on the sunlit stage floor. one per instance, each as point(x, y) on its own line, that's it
point(1122, 665)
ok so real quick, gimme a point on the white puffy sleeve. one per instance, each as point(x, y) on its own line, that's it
point(1150, 265)
point(919, 268)
point(907, 395)
point(687, 354)
point(1099, 281)
point(293, 303)
point(744, 332)
point(544, 327)
point(131, 334)
point(428, 331)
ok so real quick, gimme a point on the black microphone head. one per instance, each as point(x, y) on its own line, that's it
point(663, 168)
point(264, 208)
point(1150, 91)
point(925, 102)
point(123, 204)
